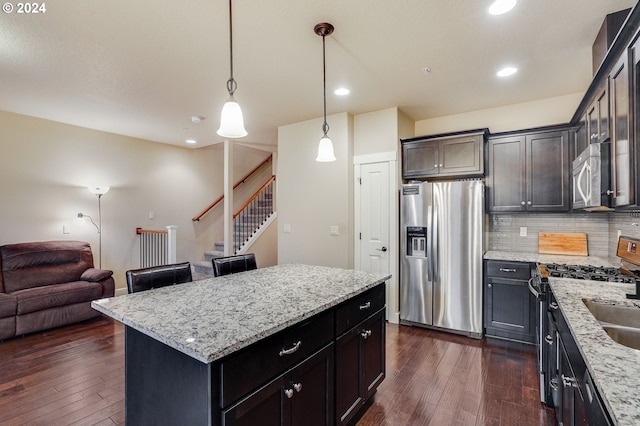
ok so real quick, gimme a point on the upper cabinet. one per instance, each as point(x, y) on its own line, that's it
point(611, 105)
point(444, 156)
point(529, 171)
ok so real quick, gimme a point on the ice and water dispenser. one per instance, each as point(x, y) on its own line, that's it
point(416, 241)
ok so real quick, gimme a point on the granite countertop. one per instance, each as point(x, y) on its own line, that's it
point(614, 367)
point(211, 318)
point(547, 258)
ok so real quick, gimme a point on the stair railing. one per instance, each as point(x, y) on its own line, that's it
point(253, 213)
point(157, 246)
point(240, 182)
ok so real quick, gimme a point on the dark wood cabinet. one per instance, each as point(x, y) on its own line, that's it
point(360, 365)
point(597, 116)
point(529, 172)
point(302, 395)
point(509, 307)
point(445, 155)
point(575, 398)
point(580, 138)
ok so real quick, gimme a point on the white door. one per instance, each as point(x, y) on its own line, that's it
point(374, 217)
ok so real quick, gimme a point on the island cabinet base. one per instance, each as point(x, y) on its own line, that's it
point(289, 378)
point(164, 386)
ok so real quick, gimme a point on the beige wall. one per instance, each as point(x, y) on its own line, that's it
point(45, 168)
point(314, 196)
point(545, 112)
point(380, 131)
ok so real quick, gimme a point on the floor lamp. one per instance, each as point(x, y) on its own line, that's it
point(99, 191)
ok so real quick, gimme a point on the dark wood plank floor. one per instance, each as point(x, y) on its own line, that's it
point(75, 376)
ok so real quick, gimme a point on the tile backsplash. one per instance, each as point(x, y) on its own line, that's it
point(601, 229)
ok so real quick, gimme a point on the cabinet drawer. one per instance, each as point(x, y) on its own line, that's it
point(511, 270)
point(354, 311)
point(252, 367)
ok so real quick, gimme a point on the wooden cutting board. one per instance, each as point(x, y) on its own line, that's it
point(569, 243)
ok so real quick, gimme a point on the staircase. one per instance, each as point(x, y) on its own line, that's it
point(247, 222)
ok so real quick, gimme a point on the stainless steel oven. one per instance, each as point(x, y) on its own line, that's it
point(537, 287)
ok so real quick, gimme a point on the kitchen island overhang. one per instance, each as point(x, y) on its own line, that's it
point(185, 334)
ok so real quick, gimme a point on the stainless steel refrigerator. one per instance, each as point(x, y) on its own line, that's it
point(441, 228)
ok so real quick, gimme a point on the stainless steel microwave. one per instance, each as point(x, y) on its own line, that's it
point(592, 178)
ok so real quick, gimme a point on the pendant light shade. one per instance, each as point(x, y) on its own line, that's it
point(231, 118)
point(325, 147)
point(325, 150)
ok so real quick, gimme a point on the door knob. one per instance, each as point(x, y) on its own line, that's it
point(382, 249)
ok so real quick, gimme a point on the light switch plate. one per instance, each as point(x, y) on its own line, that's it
point(335, 231)
point(286, 228)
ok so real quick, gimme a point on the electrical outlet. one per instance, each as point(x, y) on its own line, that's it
point(286, 228)
point(523, 231)
point(152, 215)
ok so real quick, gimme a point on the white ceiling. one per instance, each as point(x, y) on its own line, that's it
point(143, 68)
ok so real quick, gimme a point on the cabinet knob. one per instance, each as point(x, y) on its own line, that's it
point(553, 305)
point(435, 166)
point(528, 203)
point(569, 382)
point(594, 136)
point(297, 387)
point(289, 393)
point(365, 333)
point(441, 165)
point(489, 285)
point(522, 202)
point(548, 339)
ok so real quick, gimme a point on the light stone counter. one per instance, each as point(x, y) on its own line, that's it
point(212, 318)
point(614, 367)
point(547, 258)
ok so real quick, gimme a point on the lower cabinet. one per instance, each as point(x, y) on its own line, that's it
point(320, 372)
point(509, 307)
point(574, 396)
point(360, 365)
point(302, 395)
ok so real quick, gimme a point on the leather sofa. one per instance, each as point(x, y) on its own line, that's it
point(48, 284)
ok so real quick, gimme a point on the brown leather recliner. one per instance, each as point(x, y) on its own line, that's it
point(48, 284)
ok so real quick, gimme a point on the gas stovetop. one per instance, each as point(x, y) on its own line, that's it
point(582, 272)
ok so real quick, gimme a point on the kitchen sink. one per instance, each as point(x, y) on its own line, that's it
point(621, 322)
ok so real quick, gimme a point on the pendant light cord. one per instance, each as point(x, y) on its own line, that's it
point(231, 83)
point(325, 126)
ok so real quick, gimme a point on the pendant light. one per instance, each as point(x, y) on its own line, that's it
point(325, 147)
point(231, 120)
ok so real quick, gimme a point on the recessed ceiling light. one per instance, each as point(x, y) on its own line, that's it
point(343, 91)
point(499, 7)
point(197, 119)
point(191, 141)
point(507, 71)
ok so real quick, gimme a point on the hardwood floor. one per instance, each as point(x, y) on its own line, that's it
point(75, 376)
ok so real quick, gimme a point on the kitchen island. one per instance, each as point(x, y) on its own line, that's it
point(274, 345)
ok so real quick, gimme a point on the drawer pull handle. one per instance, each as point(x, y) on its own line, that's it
point(553, 305)
point(291, 350)
point(507, 270)
point(365, 333)
point(553, 384)
point(289, 393)
point(365, 306)
point(548, 339)
point(297, 387)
